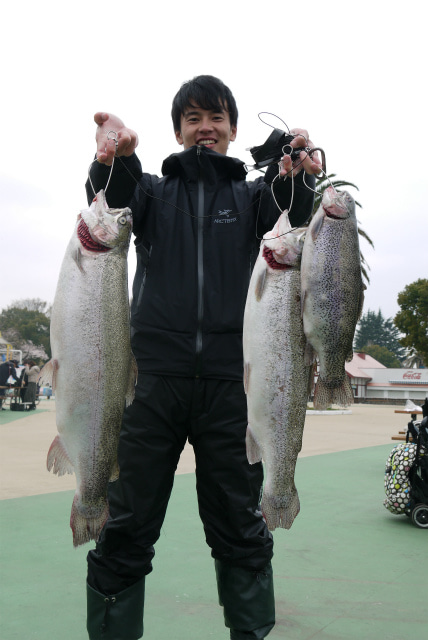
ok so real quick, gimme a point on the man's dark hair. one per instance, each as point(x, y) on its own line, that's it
point(206, 92)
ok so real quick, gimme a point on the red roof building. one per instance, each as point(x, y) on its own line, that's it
point(371, 380)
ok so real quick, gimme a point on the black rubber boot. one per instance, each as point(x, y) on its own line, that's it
point(118, 617)
point(248, 601)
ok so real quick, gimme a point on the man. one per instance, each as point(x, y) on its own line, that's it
point(197, 231)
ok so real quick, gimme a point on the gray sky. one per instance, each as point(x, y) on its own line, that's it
point(355, 78)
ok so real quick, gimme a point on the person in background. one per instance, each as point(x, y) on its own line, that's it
point(7, 370)
point(32, 371)
point(23, 381)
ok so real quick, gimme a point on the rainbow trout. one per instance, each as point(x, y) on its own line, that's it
point(92, 370)
point(276, 377)
point(332, 294)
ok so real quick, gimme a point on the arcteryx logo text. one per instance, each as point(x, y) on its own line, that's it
point(224, 217)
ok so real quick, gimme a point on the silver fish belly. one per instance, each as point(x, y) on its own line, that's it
point(276, 381)
point(92, 370)
point(332, 295)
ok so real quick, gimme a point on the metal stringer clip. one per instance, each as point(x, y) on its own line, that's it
point(109, 137)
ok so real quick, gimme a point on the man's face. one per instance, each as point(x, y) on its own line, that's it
point(209, 128)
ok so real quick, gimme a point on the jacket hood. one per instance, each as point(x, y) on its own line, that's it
point(188, 163)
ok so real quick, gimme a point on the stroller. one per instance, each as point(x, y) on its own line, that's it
point(418, 475)
point(406, 474)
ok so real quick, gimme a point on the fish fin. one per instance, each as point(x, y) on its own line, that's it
point(77, 257)
point(311, 378)
point(85, 529)
point(316, 225)
point(260, 284)
point(343, 395)
point(114, 472)
point(58, 460)
point(280, 511)
point(47, 375)
point(254, 453)
point(322, 396)
point(132, 379)
point(247, 370)
point(309, 356)
point(325, 396)
point(361, 301)
point(302, 302)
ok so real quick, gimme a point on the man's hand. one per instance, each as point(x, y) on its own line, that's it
point(312, 165)
point(127, 140)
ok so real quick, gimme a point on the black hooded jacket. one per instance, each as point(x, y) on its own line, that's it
point(7, 369)
point(197, 234)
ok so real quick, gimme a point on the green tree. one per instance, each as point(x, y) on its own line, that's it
point(412, 319)
point(382, 355)
point(25, 326)
point(374, 329)
point(322, 183)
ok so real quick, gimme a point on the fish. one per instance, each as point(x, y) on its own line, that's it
point(276, 378)
point(92, 370)
point(332, 295)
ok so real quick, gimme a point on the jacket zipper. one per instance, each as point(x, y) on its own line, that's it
point(201, 205)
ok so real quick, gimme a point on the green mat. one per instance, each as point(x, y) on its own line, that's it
point(10, 416)
point(346, 570)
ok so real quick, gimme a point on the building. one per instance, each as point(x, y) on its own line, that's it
point(371, 381)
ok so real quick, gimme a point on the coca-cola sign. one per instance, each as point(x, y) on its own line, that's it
point(412, 375)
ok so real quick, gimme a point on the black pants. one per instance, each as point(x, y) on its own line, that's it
point(166, 412)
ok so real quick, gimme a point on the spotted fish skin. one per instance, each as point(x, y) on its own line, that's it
point(276, 377)
point(332, 295)
point(92, 370)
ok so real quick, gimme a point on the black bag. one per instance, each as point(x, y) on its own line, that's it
point(17, 406)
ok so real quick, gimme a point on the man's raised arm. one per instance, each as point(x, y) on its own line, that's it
point(114, 141)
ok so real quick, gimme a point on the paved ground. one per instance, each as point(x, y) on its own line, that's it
point(26, 438)
point(346, 570)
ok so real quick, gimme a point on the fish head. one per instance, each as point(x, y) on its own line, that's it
point(285, 243)
point(338, 205)
point(101, 228)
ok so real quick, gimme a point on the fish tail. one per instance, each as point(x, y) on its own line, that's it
point(343, 395)
point(254, 453)
point(86, 528)
point(325, 395)
point(280, 511)
point(322, 395)
point(58, 460)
